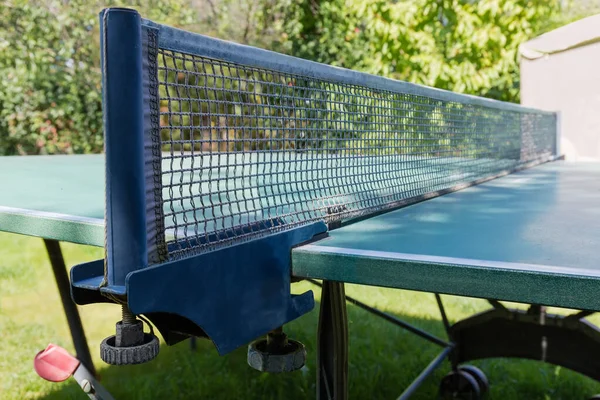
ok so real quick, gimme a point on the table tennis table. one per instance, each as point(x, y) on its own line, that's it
point(229, 172)
point(528, 237)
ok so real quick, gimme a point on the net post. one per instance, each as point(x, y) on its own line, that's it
point(121, 59)
point(558, 134)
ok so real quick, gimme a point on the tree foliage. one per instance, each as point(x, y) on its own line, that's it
point(460, 45)
point(50, 94)
point(253, 22)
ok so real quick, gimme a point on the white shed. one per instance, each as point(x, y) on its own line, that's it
point(560, 71)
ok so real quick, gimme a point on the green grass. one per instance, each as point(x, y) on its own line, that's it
point(383, 358)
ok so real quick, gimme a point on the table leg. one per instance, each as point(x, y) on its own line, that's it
point(64, 288)
point(332, 351)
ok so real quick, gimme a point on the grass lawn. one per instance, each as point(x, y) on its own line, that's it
point(383, 358)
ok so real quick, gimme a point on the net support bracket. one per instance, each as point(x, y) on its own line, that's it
point(231, 295)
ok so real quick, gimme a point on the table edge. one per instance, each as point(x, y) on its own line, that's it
point(56, 226)
point(523, 283)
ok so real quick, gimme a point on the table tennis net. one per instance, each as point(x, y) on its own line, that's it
point(247, 150)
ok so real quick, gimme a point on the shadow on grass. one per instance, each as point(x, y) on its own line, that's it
point(384, 359)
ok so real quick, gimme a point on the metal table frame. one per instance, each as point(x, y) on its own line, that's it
point(73, 318)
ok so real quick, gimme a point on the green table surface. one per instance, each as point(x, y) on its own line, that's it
point(53, 197)
point(62, 197)
point(531, 237)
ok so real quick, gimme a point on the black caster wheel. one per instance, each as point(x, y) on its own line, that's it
point(482, 381)
point(460, 385)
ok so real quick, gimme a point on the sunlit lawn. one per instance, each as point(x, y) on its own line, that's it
point(384, 359)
